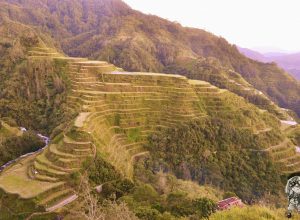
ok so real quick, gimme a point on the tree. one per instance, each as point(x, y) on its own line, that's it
point(205, 207)
point(93, 209)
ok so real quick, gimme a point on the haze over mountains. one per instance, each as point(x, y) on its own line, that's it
point(290, 62)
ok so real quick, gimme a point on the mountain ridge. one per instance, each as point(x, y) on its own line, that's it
point(116, 33)
point(117, 111)
point(131, 134)
point(288, 61)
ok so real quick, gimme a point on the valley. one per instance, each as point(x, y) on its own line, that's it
point(117, 111)
point(143, 118)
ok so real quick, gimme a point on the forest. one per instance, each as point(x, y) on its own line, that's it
point(214, 152)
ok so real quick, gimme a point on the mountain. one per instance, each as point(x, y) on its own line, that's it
point(289, 62)
point(254, 55)
point(122, 129)
point(128, 144)
point(110, 30)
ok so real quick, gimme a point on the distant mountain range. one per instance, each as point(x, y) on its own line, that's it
point(289, 62)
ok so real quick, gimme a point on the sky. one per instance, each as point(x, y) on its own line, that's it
point(264, 25)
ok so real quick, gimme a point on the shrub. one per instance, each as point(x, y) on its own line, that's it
point(145, 193)
point(13, 147)
point(179, 205)
point(117, 189)
point(204, 207)
point(147, 213)
point(99, 171)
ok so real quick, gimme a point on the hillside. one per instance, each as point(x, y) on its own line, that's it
point(15, 143)
point(162, 124)
point(110, 30)
point(31, 93)
point(116, 112)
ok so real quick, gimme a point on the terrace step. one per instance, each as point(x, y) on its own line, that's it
point(42, 169)
point(42, 159)
point(54, 150)
point(291, 159)
point(46, 178)
point(57, 196)
point(62, 203)
point(76, 144)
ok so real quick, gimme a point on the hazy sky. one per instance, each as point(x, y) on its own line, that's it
point(264, 24)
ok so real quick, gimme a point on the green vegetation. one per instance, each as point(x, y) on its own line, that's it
point(134, 135)
point(32, 90)
point(198, 132)
point(294, 133)
point(13, 147)
point(99, 171)
point(214, 152)
point(146, 46)
point(211, 70)
point(251, 213)
point(14, 208)
point(118, 114)
point(150, 201)
point(148, 204)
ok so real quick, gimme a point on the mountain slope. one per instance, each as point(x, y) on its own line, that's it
point(110, 114)
point(110, 30)
point(30, 92)
point(117, 111)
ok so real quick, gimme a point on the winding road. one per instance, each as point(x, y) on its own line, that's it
point(44, 138)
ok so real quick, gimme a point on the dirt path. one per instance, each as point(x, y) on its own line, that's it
point(274, 146)
point(263, 131)
point(62, 203)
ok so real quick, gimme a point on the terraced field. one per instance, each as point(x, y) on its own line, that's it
point(285, 153)
point(117, 111)
point(120, 109)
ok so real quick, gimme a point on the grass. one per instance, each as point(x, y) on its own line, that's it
point(194, 190)
point(14, 208)
point(7, 130)
point(15, 181)
point(134, 134)
point(251, 213)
